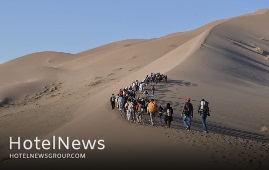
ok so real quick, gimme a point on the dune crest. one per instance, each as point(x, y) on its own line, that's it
point(262, 11)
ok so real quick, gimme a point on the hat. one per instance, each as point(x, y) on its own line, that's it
point(188, 99)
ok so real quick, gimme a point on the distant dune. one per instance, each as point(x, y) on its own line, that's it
point(225, 62)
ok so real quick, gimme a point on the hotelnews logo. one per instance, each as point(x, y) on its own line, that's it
point(56, 144)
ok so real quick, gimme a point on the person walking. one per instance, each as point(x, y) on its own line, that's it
point(152, 108)
point(168, 112)
point(117, 101)
point(203, 110)
point(112, 101)
point(121, 103)
point(139, 111)
point(146, 93)
point(129, 109)
point(187, 114)
point(153, 90)
point(160, 110)
point(143, 103)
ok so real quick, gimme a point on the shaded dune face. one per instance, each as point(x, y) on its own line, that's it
point(230, 71)
point(243, 43)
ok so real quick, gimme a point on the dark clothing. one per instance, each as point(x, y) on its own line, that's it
point(160, 110)
point(113, 104)
point(188, 109)
point(203, 112)
point(112, 101)
point(142, 102)
point(168, 116)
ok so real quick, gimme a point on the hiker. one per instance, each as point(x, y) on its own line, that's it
point(117, 100)
point(152, 108)
point(147, 80)
point(121, 103)
point(160, 110)
point(129, 106)
point(168, 112)
point(128, 115)
point(203, 110)
point(151, 80)
point(133, 94)
point(143, 103)
point(134, 109)
point(121, 92)
point(136, 85)
point(187, 114)
point(153, 90)
point(112, 101)
point(146, 93)
point(165, 78)
point(138, 112)
point(141, 86)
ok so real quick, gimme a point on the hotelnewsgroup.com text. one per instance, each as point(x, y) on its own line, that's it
point(56, 144)
point(47, 155)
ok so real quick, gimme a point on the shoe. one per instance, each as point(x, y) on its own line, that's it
point(205, 131)
point(187, 128)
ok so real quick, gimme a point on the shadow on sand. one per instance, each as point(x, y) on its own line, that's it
point(164, 89)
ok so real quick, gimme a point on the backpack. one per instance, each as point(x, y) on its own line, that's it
point(169, 112)
point(204, 106)
point(152, 107)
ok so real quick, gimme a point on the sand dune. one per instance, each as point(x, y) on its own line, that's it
point(224, 62)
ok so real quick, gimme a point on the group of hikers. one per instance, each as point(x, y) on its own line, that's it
point(187, 113)
point(132, 106)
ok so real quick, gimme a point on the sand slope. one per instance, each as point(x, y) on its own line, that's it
point(67, 95)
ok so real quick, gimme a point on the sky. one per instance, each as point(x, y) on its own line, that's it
point(72, 26)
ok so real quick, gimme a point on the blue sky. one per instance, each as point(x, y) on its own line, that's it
point(73, 26)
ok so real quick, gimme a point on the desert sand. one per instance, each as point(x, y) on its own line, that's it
point(226, 62)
